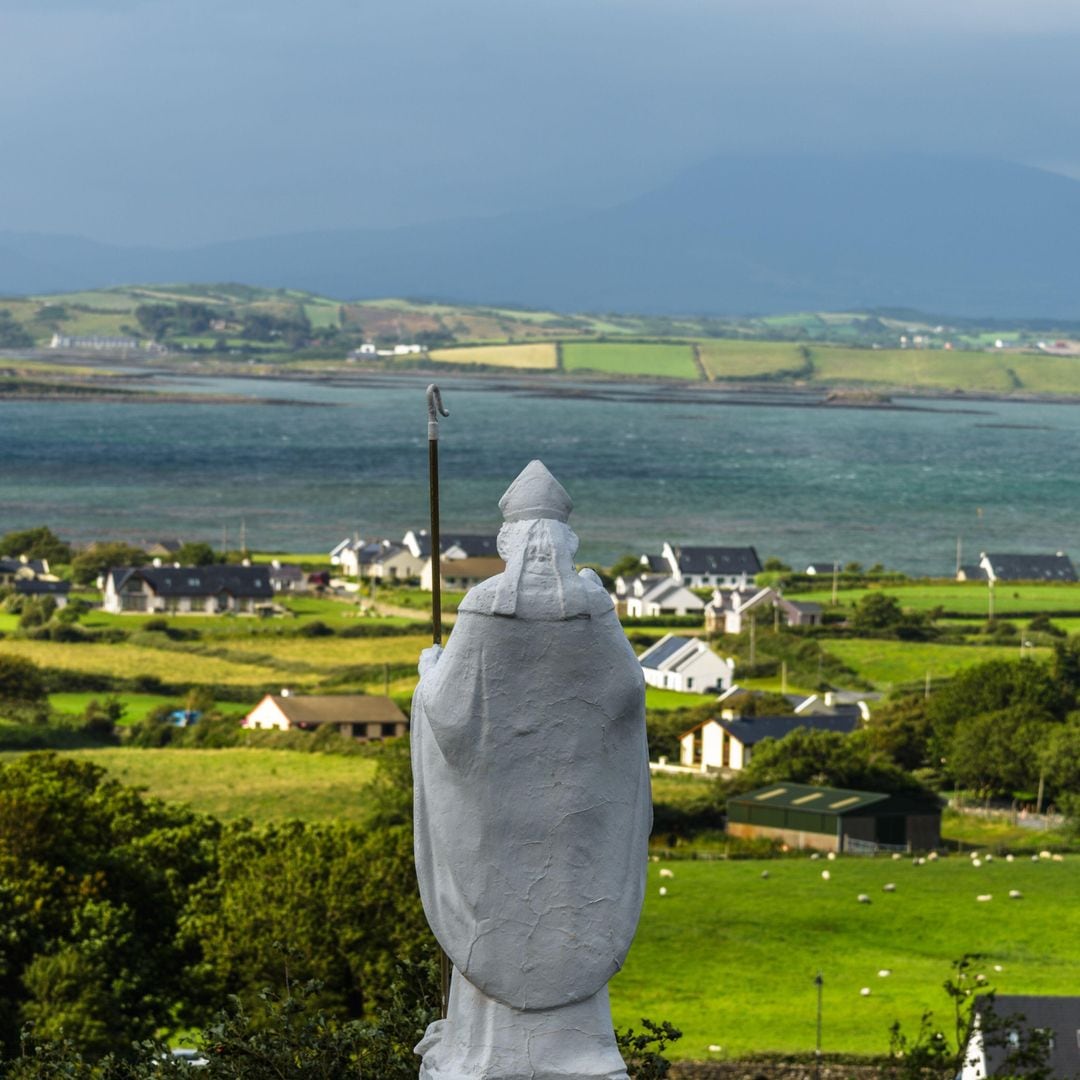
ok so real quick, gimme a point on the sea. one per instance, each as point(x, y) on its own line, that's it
point(297, 465)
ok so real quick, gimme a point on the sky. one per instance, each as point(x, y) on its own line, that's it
point(180, 122)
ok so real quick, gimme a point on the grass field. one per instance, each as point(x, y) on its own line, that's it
point(136, 705)
point(538, 357)
point(656, 698)
point(729, 956)
point(669, 361)
point(965, 598)
point(330, 653)
point(749, 359)
point(264, 785)
point(888, 664)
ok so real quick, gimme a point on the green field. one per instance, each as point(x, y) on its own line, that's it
point(749, 359)
point(656, 698)
point(729, 957)
point(964, 598)
point(888, 664)
point(616, 358)
point(136, 706)
point(264, 785)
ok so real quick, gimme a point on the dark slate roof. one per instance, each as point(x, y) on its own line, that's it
point(822, 566)
point(807, 607)
point(286, 573)
point(810, 797)
point(663, 651)
point(657, 564)
point(37, 587)
point(253, 581)
point(718, 560)
point(973, 572)
point(1057, 567)
point(473, 544)
point(753, 729)
point(13, 566)
point(1061, 1015)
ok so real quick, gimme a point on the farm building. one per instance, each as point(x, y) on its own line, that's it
point(687, 665)
point(1017, 1021)
point(727, 744)
point(204, 590)
point(836, 819)
point(363, 716)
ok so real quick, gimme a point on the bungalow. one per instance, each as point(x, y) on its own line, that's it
point(1016, 1021)
point(836, 819)
point(994, 568)
point(727, 743)
point(729, 609)
point(206, 590)
point(700, 567)
point(646, 597)
point(463, 573)
point(284, 578)
point(361, 716)
point(452, 545)
point(687, 665)
point(21, 567)
point(58, 590)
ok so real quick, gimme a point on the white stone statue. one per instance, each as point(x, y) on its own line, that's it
point(532, 808)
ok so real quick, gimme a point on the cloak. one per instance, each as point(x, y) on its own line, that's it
point(532, 800)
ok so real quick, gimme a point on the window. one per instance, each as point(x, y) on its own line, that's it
point(689, 683)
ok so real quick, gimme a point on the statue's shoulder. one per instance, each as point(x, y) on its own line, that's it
point(480, 599)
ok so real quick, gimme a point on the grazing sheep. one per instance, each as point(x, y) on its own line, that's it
point(1008, 858)
point(897, 855)
point(831, 856)
point(1044, 854)
point(715, 1048)
point(665, 872)
point(1034, 858)
point(764, 873)
point(825, 875)
point(865, 991)
point(1015, 894)
point(884, 973)
point(815, 855)
point(998, 967)
point(984, 898)
point(922, 861)
point(976, 862)
point(932, 856)
point(889, 887)
point(1059, 858)
point(988, 857)
point(863, 898)
point(663, 890)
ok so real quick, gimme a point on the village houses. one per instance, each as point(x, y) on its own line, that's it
point(686, 665)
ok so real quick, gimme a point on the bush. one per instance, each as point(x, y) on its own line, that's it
point(316, 628)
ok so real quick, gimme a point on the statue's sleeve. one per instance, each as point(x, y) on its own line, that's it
point(451, 696)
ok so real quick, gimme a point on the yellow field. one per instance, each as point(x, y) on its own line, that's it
point(329, 653)
point(535, 357)
point(748, 359)
point(128, 661)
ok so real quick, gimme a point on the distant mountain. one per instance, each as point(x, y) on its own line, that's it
point(732, 236)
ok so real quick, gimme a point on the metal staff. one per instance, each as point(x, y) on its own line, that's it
point(435, 408)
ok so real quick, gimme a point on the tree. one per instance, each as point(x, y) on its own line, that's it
point(999, 752)
point(830, 758)
point(901, 729)
point(877, 611)
point(22, 690)
point(196, 553)
point(12, 334)
point(627, 566)
point(93, 879)
point(37, 543)
point(96, 560)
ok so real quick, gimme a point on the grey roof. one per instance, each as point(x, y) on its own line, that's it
point(474, 545)
point(1057, 567)
point(753, 729)
point(1060, 1015)
point(973, 572)
point(807, 607)
point(662, 651)
point(10, 565)
point(247, 581)
point(657, 564)
point(718, 560)
point(286, 573)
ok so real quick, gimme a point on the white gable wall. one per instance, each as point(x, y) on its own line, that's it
point(267, 714)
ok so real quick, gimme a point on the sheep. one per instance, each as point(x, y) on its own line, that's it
point(932, 856)
point(1009, 858)
point(889, 887)
point(897, 855)
point(865, 991)
point(984, 897)
point(825, 875)
point(764, 874)
point(665, 872)
point(831, 856)
point(1044, 854)
point(663, 890)
point(863, 898)
point(1015, 894)
point(884, 973)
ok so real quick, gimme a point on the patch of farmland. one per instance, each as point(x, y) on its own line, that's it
point(935, 369)
point(630, 358)
point(264, 785)
point(330, 653)
point(729, 956)
point(540, 356)
point(749, 359)
point(968, 598)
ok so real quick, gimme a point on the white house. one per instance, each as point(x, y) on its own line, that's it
point(207, 590)
point(729, 609)
point(363, 716)
point(649, 595)
point(727, 743)
point(687, 665)
point(998, 1044)
point(461, 574)
point(701, 567)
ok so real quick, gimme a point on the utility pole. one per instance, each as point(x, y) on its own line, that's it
point(835, 580)
point(926, 690)
point(783, 676)
point(819, 982)
point(958, 557)
point(753, 643)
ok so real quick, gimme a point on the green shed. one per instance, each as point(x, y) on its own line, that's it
point(836, 819)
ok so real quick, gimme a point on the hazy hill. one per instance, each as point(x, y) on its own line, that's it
point(735, 235)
